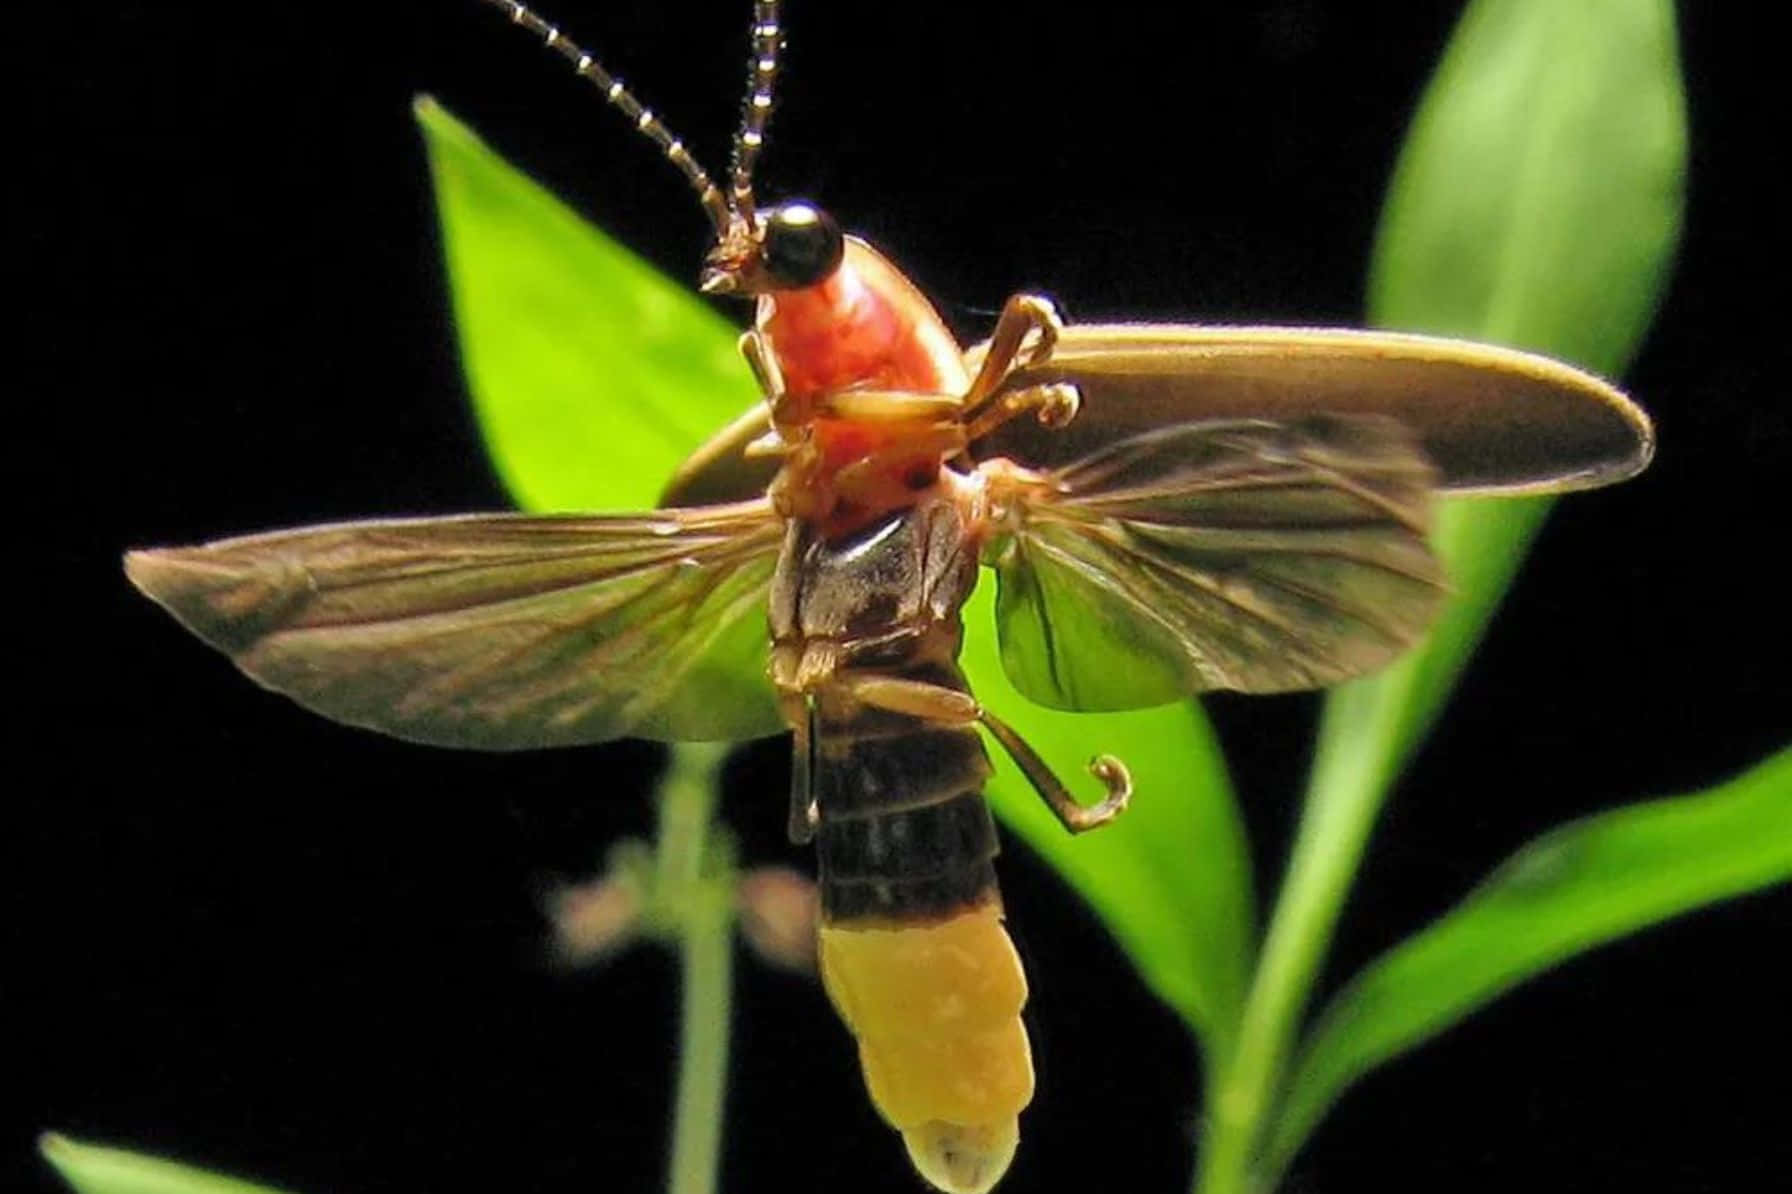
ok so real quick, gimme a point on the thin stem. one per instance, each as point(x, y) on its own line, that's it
point(687, 805)
point(694, 882)
point(1369, 729)
point(707, 953)
point(1350, 776)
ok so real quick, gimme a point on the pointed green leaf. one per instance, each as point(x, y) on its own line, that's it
point(1576, 887)
point(592, 374)
point(92, 1169)
point(1537, 198)
point(1536, 203)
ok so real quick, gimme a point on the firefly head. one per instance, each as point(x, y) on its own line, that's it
point(787, 247)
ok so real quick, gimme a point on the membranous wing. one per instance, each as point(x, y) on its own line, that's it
point(1243, 554)
point(498, 632)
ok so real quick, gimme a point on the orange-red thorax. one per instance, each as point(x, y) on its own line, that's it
point(866, 327)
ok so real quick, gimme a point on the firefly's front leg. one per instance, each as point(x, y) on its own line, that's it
point(763, 364)
point(765, 370)
point(949, 706)
point(1023, 316)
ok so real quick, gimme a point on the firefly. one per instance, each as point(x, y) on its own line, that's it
point(1167, 510)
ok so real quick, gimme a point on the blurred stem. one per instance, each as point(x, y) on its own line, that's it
point(703, 1047)
point(1361, 745)
point(693, 885)
point(1342, 801)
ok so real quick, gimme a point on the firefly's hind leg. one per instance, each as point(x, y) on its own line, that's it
point(1074, 817)
point(950, 706)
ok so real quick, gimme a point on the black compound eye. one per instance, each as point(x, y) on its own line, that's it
point(802, 245)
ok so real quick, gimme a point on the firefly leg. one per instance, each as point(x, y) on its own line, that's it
point(862, 479)
point(802, 774)
point(917, 698)
point(892, 405)
point(1021, 314)
point(1073, 816)
point(764, 366)
point(934, 702)
point(765, 371)
point(1056, 403)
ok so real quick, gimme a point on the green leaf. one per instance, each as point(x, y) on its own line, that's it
point(92, 1169)
point(1536, 203)
point(592, 374)
point(1538, 196)
point(1171, 877)
point(1576, 887)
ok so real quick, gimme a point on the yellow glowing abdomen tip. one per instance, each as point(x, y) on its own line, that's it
point(936, 1010)
point(962, 1158)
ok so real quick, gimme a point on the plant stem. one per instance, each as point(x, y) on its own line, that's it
point(1351, 771)
point(707, 954)
point(694, 881)
point(687, 805)
point(1369, 728)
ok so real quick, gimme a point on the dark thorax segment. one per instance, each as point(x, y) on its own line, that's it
point(879, 595)
point(902, 829)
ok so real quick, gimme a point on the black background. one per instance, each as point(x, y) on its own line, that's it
point(249, 938)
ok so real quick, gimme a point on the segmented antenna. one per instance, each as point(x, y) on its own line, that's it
point(756, 110)
point(644, 120)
